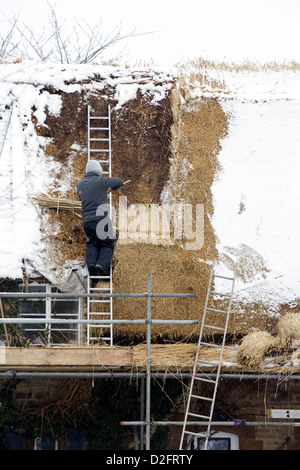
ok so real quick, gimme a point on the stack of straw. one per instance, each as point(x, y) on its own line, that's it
point(59, 204)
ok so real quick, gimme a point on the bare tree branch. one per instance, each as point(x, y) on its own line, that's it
point(79, 42)
point(9, 43)
point(32, 43)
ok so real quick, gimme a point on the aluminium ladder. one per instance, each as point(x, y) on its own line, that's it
point(206, 398)
point(99, 148)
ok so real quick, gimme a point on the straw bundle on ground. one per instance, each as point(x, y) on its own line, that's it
point(60, 204)
point(254, 347)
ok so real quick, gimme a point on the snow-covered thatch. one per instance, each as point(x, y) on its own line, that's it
point(217, 136)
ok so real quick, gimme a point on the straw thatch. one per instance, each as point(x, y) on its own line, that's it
point(289, 329)
point(168, 151)
point(178, 357)
point(59, 204)
point(254, 347)
point(194, 143)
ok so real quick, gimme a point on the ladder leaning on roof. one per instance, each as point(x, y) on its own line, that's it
point(99, 148)
point(208, 396)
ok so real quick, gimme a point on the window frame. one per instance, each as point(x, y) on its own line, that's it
point(48, 330)
point(233, 439)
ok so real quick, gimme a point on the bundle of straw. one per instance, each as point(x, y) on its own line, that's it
point(289, 328)
point(255, 347)
point(60, 204)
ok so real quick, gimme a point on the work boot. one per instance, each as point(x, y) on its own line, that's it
point(92, 270)
point(101, 271)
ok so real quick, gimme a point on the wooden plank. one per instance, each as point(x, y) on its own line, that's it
point(67, 357)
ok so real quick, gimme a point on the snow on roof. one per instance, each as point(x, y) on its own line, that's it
point(257, 193)
point(24, 171)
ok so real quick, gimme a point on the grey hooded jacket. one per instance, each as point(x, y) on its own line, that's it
point(92, 190)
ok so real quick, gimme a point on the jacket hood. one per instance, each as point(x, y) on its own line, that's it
point(93, 167)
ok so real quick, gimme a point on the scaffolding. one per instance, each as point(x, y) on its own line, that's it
point(148, 321)
point(148, 375)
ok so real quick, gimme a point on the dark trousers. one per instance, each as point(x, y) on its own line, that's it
point(98, 251)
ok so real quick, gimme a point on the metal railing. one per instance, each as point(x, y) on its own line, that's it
point(148, 321)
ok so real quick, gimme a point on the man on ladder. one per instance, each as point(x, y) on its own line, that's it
point(92, 191)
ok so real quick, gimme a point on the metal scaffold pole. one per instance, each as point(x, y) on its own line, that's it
point(148, 382)
point(145, 412)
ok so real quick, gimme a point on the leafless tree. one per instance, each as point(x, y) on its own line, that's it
point(9, 40)
point(79, 43)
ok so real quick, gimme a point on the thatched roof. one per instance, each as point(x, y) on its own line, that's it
point(168, 148)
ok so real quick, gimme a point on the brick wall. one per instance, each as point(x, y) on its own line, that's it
point(249, 401)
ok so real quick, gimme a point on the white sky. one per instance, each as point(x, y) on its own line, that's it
point(233, 30)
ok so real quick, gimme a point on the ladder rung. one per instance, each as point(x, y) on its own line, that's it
point(100, 326)
point(210, 345)
point(98, 139)
point(214, 327)
point(224, 277)
point(100, 313)
point(99, 150)
point(99, 291)
point(207, 362)
point(98, 277)
point(99, 117)
point(201, 398)
point(203, 379)
point(216, 310)
point(219, 293)
point(198, 416)
point(99, 128)
point(64, 330)
point(200, 434)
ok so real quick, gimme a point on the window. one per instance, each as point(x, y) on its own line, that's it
point(75, 441)
point(16, 439)
point(45, 442)
point(51, 308)
point(218, 441)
